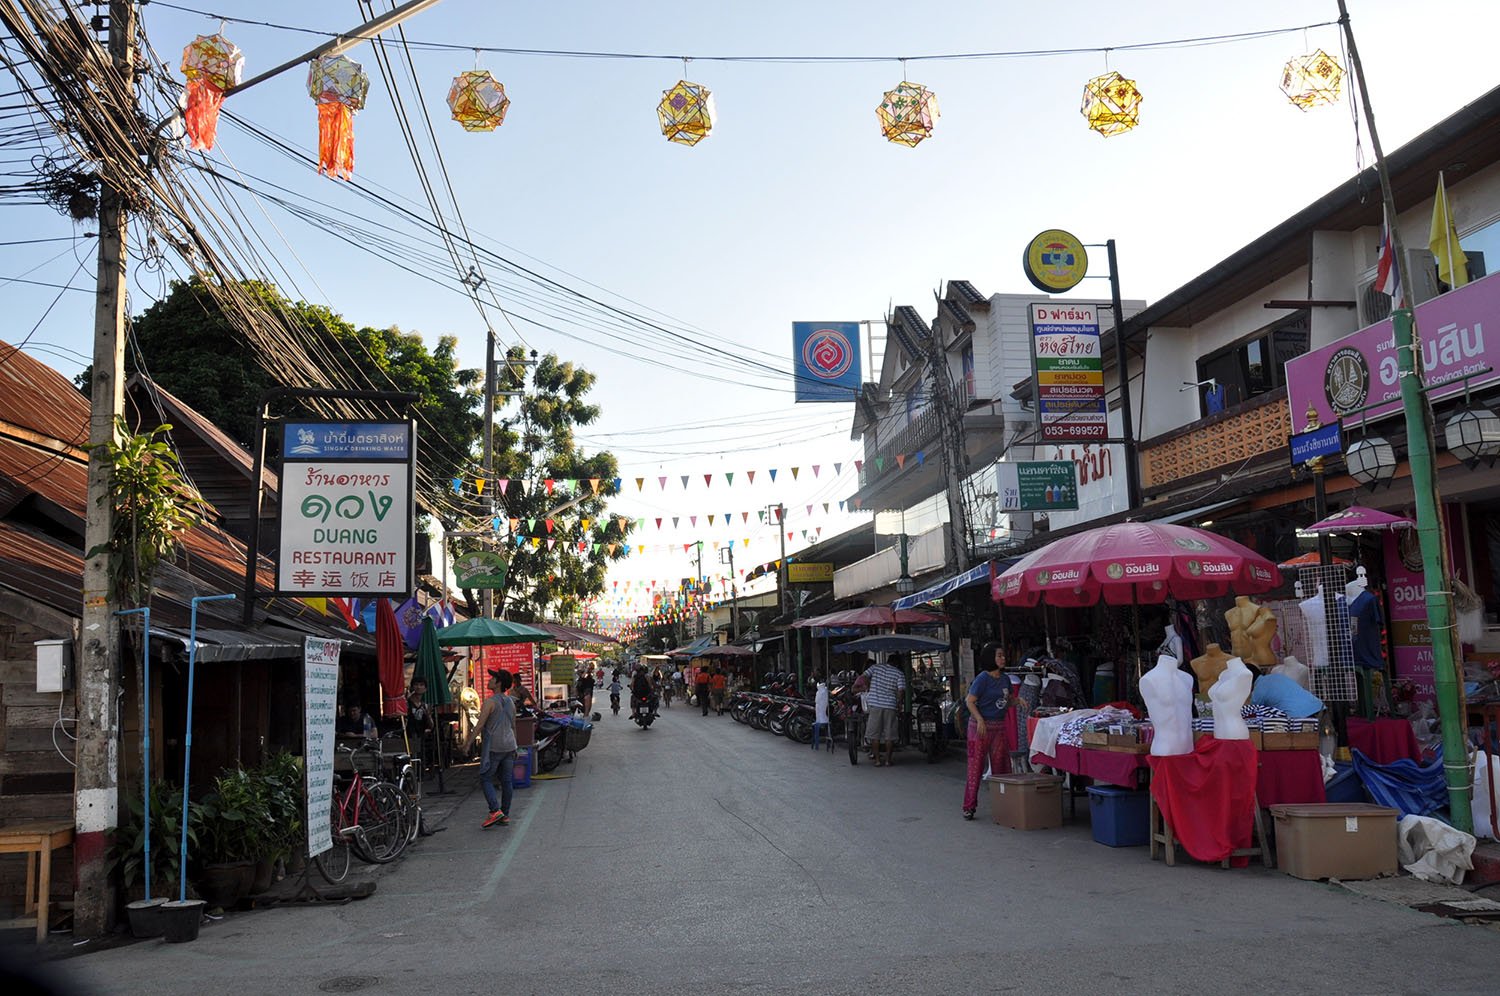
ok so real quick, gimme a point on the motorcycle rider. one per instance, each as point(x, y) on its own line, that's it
point(615, 688)
point(641, 693)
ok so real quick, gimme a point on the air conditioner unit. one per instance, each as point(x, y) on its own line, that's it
point(1421, 269)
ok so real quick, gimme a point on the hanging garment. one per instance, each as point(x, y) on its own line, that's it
point(1366, 621)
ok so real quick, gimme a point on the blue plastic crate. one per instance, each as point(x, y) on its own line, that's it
point(1121, 818)
point(1345, 786)
point(525, 766)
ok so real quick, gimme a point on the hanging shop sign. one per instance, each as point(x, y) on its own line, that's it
point(1411, 639)
point(1359, 375)
point(825, 358)
point(1055, 261)
point(810, 573)
point(1315, 443)
point(517, 658)
point(1037, 485)
point(346, 508)
point(320, 691)
point(480, 569)
point(1069, 366)
point(563, 668)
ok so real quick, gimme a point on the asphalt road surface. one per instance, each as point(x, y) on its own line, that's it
point(701, 856)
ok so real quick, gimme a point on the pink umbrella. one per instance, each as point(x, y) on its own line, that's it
point(1135, 562)
point(870, 615)
point(1357, 518)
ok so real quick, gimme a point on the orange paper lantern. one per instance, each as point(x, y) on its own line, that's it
point(339, 85)
point(212, 64)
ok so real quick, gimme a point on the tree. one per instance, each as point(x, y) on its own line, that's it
point(192, 349)
point(534, 443)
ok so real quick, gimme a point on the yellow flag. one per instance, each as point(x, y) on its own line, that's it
point(1453, 265)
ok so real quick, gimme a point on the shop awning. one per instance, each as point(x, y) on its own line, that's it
point(1196, 513)
point(978, 574)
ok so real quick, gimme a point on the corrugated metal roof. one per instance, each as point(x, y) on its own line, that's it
point(36, 397)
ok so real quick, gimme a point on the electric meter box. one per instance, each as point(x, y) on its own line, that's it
point(54, 665)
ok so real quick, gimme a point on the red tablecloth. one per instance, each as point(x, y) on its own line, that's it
point(1208, 797)
point(1110, 767)
point(1287, 777)
point(1384, 740)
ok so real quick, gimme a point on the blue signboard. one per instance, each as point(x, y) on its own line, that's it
point(1318, 443)
point(825, 360)
point(346, 441)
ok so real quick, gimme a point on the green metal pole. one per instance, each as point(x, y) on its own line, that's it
point(1436, 570)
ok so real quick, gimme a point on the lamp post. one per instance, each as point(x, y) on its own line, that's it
point(1320, 492)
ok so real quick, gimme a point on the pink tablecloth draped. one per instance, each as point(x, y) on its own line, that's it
point(1110, 767)
point(1384, 740)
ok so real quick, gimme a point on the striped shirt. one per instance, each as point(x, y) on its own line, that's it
point(886, 685)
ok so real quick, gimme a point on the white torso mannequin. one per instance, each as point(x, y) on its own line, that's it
point(1228, 694)
point(1292, 668)
point(1357, 587)
point(1171, 643)
point(1168, 694)
point(1317, 631)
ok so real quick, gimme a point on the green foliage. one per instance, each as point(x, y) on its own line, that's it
point(128, 851)
point(148, 497)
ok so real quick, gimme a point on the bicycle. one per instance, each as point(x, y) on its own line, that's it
point(366, 820)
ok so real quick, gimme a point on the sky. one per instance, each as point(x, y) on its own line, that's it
point(795, 207)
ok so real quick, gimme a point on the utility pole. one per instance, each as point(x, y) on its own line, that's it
point(96, 794)
point(1122, 362)
point(951, 433)
point(727, 554)
point(487, 596)
point(779, 511)
point(698, 623)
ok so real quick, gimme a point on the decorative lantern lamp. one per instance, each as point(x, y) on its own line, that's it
point(1371, 461)
point(478, 100)
point(339, 85)
point(1312, 80)
point(1111, 104)
point(1473, 435)
point(212, 64)
point(908, 113)
point(687, 113)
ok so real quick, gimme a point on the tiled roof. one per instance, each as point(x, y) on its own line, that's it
point(967, 293)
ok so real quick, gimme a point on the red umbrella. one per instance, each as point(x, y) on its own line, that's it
point(390, 655)
point(1309, 559)
point(871, 615)
point(1135, 562)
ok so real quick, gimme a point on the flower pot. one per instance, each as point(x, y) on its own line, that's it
point(265, 870)
point(182, 919)
point(147, 918)
point(225, 885)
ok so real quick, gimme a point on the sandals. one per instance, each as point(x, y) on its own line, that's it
point(968, 814)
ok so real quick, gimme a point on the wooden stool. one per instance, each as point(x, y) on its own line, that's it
point(1161, 834)
point(37, 840)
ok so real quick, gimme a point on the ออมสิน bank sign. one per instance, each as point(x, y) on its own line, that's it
point(1361, 370)
point(346, 509)
point(1069, 366)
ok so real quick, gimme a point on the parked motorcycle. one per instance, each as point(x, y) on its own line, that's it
point(559, 738)
point(643, 712)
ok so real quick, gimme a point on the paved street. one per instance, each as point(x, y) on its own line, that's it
point(702, 856)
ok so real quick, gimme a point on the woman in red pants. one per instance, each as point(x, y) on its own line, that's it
point(989, 739)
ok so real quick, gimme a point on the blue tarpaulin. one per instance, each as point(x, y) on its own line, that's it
point(1414, 789)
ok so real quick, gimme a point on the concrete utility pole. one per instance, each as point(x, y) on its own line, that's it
point(951, 434)
point(727, 554)
point(487, 596)
point(96, 786)
point(698, 624)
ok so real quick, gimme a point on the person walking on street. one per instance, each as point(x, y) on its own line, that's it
point(820, 711)
point(989, 736)
point(497, 722)
point(718, 682)
point(586, 692)
point(700, 688)
point(887, 682)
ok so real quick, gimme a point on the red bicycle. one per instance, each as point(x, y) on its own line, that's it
point(368, 818)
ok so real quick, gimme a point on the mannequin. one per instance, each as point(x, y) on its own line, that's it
point(1171, 642)
point(1252, 628)
point(1294, 669)
point(1209, 666)
point(1168, 693)
point(1365, 622)
point(1314, 614)
point(1228, 695)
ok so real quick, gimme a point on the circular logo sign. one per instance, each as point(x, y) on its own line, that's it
point(1115, 571)
point(1055, 261)
point(1194, 568)
point(1042, 577)
point(1189, 543)
point(1346, 380)
point(827, 354)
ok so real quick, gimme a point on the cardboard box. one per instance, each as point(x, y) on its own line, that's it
point(1026, 802)
point(1343, 840)
point(1093, 738)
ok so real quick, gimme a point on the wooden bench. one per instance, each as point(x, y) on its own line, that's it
point(36, 839)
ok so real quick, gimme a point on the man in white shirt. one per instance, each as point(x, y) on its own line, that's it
point(887, 683)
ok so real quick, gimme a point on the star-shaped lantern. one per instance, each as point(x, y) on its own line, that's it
point(212, 64)
point(339, 85)
point(908, 113)
point(1111, 104)
point(478, 100)
point(1311, 80)
point(686, 112)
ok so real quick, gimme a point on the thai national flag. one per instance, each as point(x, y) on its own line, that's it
point(1387, 275)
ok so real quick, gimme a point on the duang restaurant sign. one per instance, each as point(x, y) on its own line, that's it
point(1357, 377)
point(346, 509)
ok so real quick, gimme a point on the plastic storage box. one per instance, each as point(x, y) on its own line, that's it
point(525, 762)
point(1121, 818)
point(1342, 840)
point(1026, 802)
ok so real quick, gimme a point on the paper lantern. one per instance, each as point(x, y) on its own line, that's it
point(339, 85)
point(908, 113)
point(212, 64)
point(1111, 104)
point(478, 100)
point(1313, 79)
point(686, 112)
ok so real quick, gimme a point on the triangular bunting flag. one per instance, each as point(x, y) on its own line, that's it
point(729, 478)
point(479, 484)
point(658, 523)
point(531, 525)
point(458, 486)
point(711, 522)
point(514, 524)
point(772, 472)
point(617, 486)
point(708, 480)
point(859, 465)
point(549, 525)
point(675, 520)
point(684, 482)
point(750, 475)
point(693, 519)
point(640, 482)
point(879, 464)
point(825, 508)
point(838, 469)
point(900, 461)
point(745, 516)
point(815, 469)
point(663, 482)
point(594, 483)
point(551, 543)
point(549, 483)
point(761, 513)
point(809, 510)
point(794, 472)
point(585, 523)
point(503, 484)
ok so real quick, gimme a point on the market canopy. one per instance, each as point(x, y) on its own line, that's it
point(870, 615)
point(692, 648)
point(890, 643)
point(482, 632)
point(724, 652)
point(978, 574)
point(1309, 559)
point(1135, 562)
point(572, 634)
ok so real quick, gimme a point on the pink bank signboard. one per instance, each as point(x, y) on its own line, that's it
point(1360, 370)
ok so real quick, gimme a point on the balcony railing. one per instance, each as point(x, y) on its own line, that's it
point(1260, 426)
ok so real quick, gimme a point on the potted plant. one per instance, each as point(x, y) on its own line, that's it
point(128, 854)
point(232, 834)
point(278, 784)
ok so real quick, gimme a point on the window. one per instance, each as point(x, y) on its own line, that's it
point(1252, 366)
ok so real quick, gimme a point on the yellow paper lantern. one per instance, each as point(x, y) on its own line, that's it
point(478, 100)
point(908, 113)
point(686, 112)
point(1313, 79)
point(1111, 104)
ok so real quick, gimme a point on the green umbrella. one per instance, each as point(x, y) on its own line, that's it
point(430, 666)
point(481, 631)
